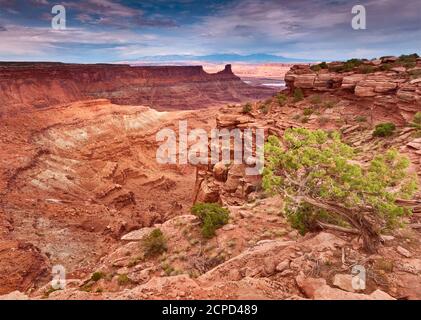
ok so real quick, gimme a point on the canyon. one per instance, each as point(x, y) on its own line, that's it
point(80, 185)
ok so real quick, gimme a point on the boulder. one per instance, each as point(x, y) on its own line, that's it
point(234, 179)
point(318, 289)
point(208, 192)
point(284, 265)
point(220, 171)
point(403, 252)
point(344, 282)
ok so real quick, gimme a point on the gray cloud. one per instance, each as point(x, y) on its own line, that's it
point(113, 14)
point(313, 29)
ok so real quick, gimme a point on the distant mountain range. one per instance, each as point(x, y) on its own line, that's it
point(216, 58)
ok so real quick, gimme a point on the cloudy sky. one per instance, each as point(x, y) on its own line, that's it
point(116, 30)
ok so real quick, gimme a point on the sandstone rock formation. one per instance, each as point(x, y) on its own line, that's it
point(381, 88)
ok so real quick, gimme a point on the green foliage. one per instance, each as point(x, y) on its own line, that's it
point(96, 276)
point(123, 279)
point(308, 112)
point(318, 67)
point(408, 60)
point(384, 129)
point(323, 65)
point(154, 243)
point(247, 108)
point(298, 95)
point(409, 57)
point(264, 108)
point(417, 118)
point(282, 99)
point(318, 165)
point(212, 217)
point(329, 104)
point(347, 66)
point(168, 269)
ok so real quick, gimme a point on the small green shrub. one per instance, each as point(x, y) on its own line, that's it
point(329, 104)
point(320, 66)
point(308, 112)
point(247, 108)
point(282, 99)
point(168, 269)
point(323, 65)
point(417, 118)
point(154, 243)
point(123, 279)
point(264, 108)
point(349, 65)
point(298, 95)
point(96, 276)
point(212, 217)
point(316, 68)
point(407, 60)
point(384, 129)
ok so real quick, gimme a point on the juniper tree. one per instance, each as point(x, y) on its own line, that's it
point(323, 184)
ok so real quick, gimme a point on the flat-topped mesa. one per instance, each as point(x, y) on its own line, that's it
point(39, 70)
point(43, 84)
point(397, 79)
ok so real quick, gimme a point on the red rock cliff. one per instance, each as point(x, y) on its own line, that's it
point(163, 87)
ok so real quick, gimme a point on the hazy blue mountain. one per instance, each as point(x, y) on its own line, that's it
point(219, 58)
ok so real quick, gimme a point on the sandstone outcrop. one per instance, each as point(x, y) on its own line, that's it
point(392, 90)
